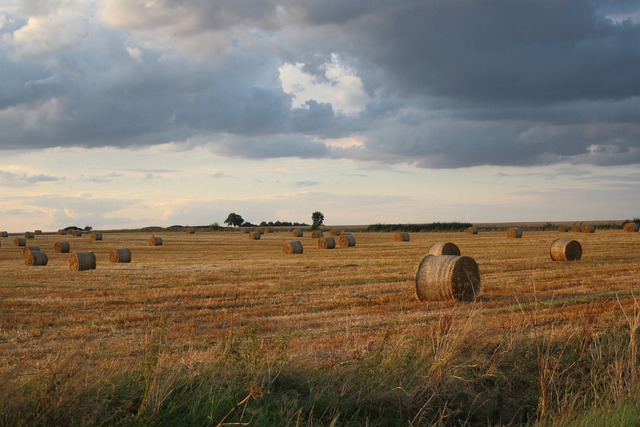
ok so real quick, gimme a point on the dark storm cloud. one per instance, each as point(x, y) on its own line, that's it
point(452, 83)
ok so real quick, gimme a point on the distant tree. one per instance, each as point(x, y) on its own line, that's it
point(318, 219)
point(234, 220)
point(88, 228)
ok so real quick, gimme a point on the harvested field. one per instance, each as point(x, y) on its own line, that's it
point(331, 308)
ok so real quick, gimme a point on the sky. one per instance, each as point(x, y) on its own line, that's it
point(130, 113)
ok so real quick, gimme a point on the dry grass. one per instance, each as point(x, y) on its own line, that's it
point(329, 306)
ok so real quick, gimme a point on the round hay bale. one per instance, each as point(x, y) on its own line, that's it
point(576, 228)
point(334, 232)
point(292, 247)
point(267, 230)
point(27, 249)
point(155, 241)
point(317, 234)
point(631, 227)
point(563, 228)
point(4, 234)
point(80, 261)
point(446, 248)
point(472, 230)
point(254, 235)
point(96, 235)
point(38, 232)
point(447, 277)
point(258, 230)
point(402, 236)
point(62, 247)
point(347, 240)
point(565, 250)
point(245, 230)
point(588, 228)
point(34, 258)
point(20, 241)
point(297, 232)
point(514, 233)
point(76, 233)
point(120, 255)
point(189, 231)
point(326, 242)
point(29, 235)
point(61, 232)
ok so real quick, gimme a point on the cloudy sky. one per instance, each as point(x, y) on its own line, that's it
point(126, 113)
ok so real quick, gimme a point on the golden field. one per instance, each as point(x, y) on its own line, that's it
point(181, 305)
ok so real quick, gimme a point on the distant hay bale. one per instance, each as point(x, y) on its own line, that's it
point(189, 230)
point(514, 233)
point(317, 233)
point(80, 261)
point(29, 235)
point(631, 227)
point(588, 228)
point(267, 230)
point(402, 236)
point(155, 241)
point(38, 232)
point(297, 232)
point(334, 232)
point(563, 228)
point(254, 235)
point(447, 277)
point(326, 242)
point(292, 247)
point(96, 235)
point(472, 230)
point(565, 250)
point(62, 247)
point(576, 228)
point(120, 255)
point(20, 241)
point(27, 249)
point(4, 234)
point(34, 258)
point(259, 230)
point(446, 248)
point(61, 232)
point(76, 233)
point(347, 240)
point(245, 230)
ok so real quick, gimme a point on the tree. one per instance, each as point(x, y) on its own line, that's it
point(318, 218)
point(234, 220)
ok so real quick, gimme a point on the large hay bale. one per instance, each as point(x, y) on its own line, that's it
point(565, 250)
point(259, 230)
point(576, 228)
point(62, 247)
point(38, 232)
point(563, 228)
point(297, 232)
point(155, 241)
point(588, 228)
point(20, 241)
point(334, 232)
point(292, 247)
point(347, 240)
point(446, 248)
point(631, 227)
point(29, 235)
point(34, 258)
point(80, 261)
point(96, 235)
point(254, 235)
point(317, 234)
point(514, 233)
point(447, 277)
point(402, 236)
point(120, 255)
point(472, 230)
point(326, 242)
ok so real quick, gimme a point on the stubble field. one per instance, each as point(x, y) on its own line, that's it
point(213, 328)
